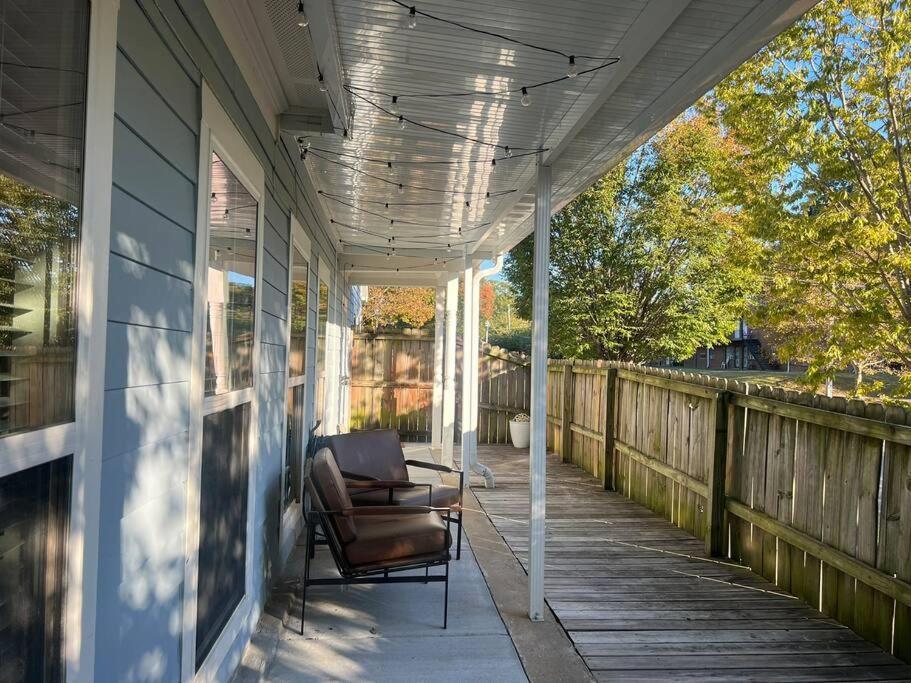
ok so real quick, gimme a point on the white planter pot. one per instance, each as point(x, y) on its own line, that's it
point(520, 432)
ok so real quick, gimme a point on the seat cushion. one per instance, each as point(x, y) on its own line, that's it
point(394, 539)
point(376, 454)
point(443, 496)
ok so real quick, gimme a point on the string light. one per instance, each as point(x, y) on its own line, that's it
point(394, 107)
point(412, 10)
point(436, 129)
point(526, 99)
point(375, 214)
point(305, 142)
point(412, 17)
point(402, 122)
point(401, 186)
point(322, 83)
point(302, 19)
point(573, 70)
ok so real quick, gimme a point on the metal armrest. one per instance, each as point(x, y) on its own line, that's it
point(381, 484)
point(430, 466)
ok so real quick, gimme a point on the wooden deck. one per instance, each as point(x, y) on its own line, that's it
point(641, 601)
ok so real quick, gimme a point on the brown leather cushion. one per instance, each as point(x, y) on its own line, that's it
point(376, 454)
point(392, 538)
point(333, 494)
point(443, 496)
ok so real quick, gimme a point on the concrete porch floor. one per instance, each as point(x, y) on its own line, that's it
point(385, 632)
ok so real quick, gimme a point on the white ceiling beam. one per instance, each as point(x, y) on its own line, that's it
point(324, 33)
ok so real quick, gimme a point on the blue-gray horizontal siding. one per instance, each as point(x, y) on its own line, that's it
point(166, 48)
point(150, 322)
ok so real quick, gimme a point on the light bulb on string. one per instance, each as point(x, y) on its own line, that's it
point(304, 142)
point(508, 152)
point(401, 189)
point(302, 19)
point(526, 98)
point(573, 70)
point(322, 84)
point(402, 122)
point(394, 107)
point(412, 17)
point(493, 162)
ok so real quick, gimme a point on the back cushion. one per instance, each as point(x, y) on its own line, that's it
point(330, 487)
point(376, 454)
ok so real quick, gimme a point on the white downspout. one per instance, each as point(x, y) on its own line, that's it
point(479, 275)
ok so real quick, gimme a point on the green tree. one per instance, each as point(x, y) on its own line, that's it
point(398, 307)
point(648, 263)
point(823, 174)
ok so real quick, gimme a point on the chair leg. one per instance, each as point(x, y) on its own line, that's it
point(446, 598)
point(311, 549)
point(459, 539)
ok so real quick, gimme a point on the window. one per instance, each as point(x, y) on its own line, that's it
point(298, 350)
point(42, 117)
point(231, 292)
point(297, 364)
point(321, 326)
point(222, 523)
point(34, 523)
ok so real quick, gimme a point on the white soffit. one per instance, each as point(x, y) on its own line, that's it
point(671, 52)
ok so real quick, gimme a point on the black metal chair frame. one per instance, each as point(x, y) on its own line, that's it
point(349, 575)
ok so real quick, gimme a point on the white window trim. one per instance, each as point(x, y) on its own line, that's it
point(218, 134)
point(291, 516)
point(82, 438)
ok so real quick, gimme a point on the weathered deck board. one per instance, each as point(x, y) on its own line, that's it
point(641, 601)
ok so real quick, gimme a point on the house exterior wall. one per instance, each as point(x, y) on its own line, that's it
point(166, 50)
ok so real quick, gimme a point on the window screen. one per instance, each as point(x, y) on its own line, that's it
point(222, 523)
point(34, 520)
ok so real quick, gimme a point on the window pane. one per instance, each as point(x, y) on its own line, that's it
point(222, 523)
point(231, 283)
point(34, 518)
point(42, 101)
point(321, 324)
point(298, 353)
point(294, 449)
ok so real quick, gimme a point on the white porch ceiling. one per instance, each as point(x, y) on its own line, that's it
point(671, 52)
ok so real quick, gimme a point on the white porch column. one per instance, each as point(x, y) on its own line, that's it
point(436, 418)
point(537, 460)
point(467, 378)
point(449, 369)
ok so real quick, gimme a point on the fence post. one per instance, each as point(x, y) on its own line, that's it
point(566, 445)
point(610, 401)
point(714, 533)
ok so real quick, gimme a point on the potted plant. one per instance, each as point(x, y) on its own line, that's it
point(520, 430)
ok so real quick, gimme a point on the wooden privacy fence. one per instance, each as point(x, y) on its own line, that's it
point(392, 386)
point(813, 493)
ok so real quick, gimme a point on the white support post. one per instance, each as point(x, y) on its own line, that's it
point(449, 370)
point(436, 419)
point(467, 378)
point(537, 460)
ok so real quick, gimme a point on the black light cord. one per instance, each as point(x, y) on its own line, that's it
point(392, 241)
point(485, 93)
point(404, 186)
point(387, 205)
point(425, 126)
point(389, 163)
point(413, 10)
point(387, 252)
point(392, 222)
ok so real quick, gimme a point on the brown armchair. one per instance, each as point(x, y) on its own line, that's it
point(368, 543)
point(376, 457)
